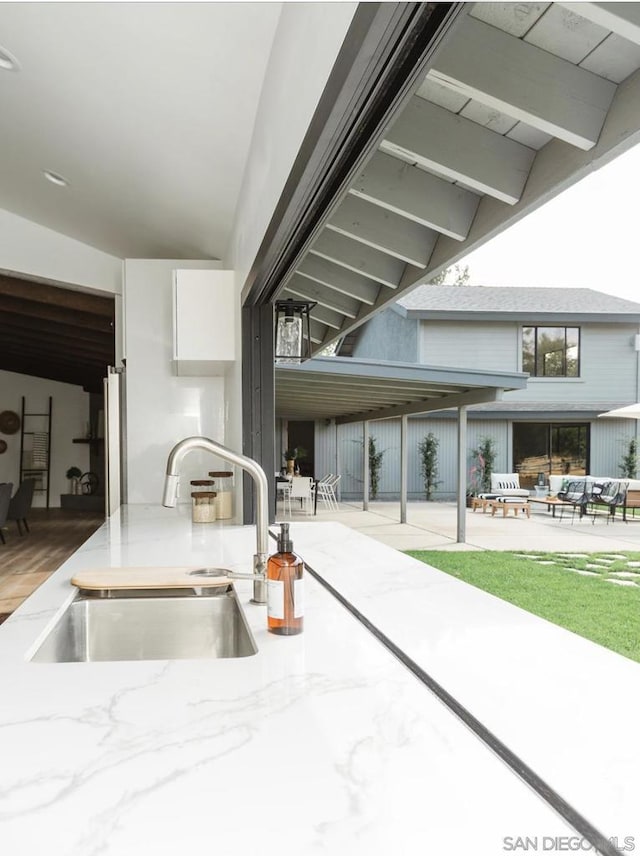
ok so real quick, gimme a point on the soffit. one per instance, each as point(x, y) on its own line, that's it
point(352, 390)
point(519, 102)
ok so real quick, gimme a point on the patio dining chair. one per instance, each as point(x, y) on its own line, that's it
point(327, 491)
point(302, 489)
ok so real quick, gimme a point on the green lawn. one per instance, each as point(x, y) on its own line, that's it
point(590, 606)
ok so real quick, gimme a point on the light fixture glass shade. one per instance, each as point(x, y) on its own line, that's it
point(292, 332)
point(289, 341)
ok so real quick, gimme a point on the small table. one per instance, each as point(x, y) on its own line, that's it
point(552, 502)
point(505, 506)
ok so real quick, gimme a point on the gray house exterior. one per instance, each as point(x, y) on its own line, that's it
point(580, 347)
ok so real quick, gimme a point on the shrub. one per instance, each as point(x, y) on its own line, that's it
point(428, 449)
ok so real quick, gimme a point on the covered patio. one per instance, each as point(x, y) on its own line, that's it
point(346, 390)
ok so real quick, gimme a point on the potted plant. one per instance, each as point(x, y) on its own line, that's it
point(293, 455)
point(73, 474)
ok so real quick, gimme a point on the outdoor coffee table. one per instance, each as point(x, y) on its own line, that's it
point(520, 505)
point(552, 502)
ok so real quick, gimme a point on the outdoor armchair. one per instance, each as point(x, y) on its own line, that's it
point(507, 484)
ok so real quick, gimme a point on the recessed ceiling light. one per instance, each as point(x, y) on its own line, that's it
point(54, 178)
point(7, 61)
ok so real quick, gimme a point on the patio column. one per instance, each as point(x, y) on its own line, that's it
point(365, 466)
point(462, 475)
point(403, 469)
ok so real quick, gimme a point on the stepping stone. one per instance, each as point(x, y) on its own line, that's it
point(606, 561)
point(525, 556)
point(544, 562)
point(584, 573)
point(625, 574)
point(633, 564)
point(614, 556)
point(577, 555)
point(620, 582)
point(599, 567)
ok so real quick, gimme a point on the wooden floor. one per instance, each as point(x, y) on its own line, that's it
point(26, 561)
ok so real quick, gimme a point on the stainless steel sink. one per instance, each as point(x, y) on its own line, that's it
point(149, 625)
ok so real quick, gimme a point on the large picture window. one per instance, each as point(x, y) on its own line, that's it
point(550, 448)
point(551, 351)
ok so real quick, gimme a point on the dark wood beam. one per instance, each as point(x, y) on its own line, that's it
point(57, 296)
point(22, 323)
point(73, 360)
point(30, 309)
point(54, 344)
point(38, 368)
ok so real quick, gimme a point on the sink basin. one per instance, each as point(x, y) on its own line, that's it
point(149, 625)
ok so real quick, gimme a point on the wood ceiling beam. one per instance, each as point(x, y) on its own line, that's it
point(623, 19)
point(9, 334)
point(481, 159)
point(525, 82)
point(57, 296)
point(36, 368)
point(342, 280)
point(317, 331)
point(310, 290)
point(47, 312)
point(446, 402)
point(54, 329)
point(319, 313)
point(359, 258)
point(28, 349)
point(417, 195)
point(557, 167)
point(383, 230)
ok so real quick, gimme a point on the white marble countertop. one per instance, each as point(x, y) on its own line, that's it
point(320, 743)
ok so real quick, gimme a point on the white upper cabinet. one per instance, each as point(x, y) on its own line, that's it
point(204, 321)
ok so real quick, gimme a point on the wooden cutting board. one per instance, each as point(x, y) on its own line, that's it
point(142, 578)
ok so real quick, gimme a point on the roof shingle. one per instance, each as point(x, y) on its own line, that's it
point(498, 300)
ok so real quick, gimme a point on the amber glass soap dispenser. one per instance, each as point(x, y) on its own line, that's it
point(285, 603)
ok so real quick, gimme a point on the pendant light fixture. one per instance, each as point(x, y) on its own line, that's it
point(292, 332)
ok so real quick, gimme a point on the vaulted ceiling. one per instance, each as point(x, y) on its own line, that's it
point(55, 333)
point(520, 100)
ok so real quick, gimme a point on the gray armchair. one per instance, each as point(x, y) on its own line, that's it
point(5, 499)
point(20, 504)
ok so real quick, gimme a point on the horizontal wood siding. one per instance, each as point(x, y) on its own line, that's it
point(470, 345)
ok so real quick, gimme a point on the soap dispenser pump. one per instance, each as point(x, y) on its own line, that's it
point(285, 604)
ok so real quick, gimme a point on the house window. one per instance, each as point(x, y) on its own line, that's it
point(551, 351)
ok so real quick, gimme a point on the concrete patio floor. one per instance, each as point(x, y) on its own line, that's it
point(432, 526)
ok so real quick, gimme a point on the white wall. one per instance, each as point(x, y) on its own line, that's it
point(70, 415)
point(34, 250)
point(163, 408)
point(305, 47)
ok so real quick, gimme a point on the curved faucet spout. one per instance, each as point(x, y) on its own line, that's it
point(256, 472)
